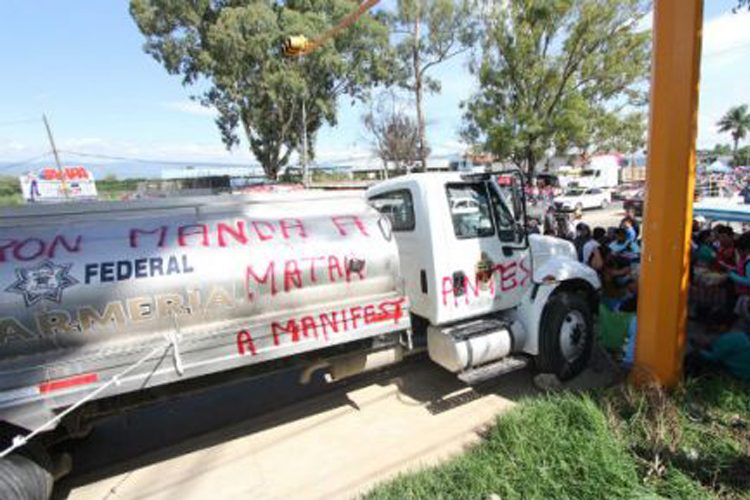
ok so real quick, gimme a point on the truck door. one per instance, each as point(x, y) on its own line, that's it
point(486, 265)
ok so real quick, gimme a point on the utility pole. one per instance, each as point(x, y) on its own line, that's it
point(305, 173)
point(670, 184)
point(57, 156)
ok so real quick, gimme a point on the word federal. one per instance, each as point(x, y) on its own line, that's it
point(121, 270)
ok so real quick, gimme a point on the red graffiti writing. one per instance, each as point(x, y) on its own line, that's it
point(69, 173)
point(324, 325)
point(245, 343)
point(504, 277)
point(346, 223)
point(220, 234)
point(34, 248)
point(293, 274)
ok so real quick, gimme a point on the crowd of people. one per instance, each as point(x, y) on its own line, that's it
point(719, 297)
point(614, 252)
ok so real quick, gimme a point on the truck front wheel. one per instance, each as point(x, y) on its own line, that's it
point(566, 335)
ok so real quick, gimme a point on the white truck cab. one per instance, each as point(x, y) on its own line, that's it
point(486, 291)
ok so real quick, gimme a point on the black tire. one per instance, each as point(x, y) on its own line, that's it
point(22, 478)
point(573, 309)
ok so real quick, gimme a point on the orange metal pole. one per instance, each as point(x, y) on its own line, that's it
point(347, 21)
point(670, 182)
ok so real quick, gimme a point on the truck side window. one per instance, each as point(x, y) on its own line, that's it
point(470, 210)
point(398, 206)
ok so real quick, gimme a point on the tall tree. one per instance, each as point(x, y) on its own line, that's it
point(736, 121)
point(395, 134)
point(559, 74)
point(428, 33)
point(231, 48)
point(722, 149)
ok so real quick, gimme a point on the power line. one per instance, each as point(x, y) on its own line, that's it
point(726, 49)
point(18, 122)
point(151, 161)
point(23, 162)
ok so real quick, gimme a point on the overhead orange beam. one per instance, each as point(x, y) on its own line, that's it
point(670, 182)
point(344, 23)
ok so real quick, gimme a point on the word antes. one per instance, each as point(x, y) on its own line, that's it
point(121, 270)
point(34, 248)
point(238, 232)
point(323, 325)
point(121, 316)
point(296, 272)
point(503, 278)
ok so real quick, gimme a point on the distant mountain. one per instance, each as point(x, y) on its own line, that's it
point(121, 169)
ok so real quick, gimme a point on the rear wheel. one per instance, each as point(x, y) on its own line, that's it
point(25, 478)
point(566, 335)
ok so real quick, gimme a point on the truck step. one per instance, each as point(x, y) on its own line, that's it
point(491, 370)
point(475, 328)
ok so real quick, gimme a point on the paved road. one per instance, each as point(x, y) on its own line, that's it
point(611, 216)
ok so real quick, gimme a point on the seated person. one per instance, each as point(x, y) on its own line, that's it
point(587, 247)
point(740, 276)
point(628, 224)
point(726, 255)
point(728, 351)
point(625, 248)
point(705, 254)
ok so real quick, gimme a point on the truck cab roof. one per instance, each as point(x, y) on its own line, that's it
point(429, 180)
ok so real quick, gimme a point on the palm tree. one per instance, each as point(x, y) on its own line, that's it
point(736, 121)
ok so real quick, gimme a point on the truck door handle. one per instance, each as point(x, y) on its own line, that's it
point(508, 251)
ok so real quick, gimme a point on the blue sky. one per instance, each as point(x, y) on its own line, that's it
point(81, 62)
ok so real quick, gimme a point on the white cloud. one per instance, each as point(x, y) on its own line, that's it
point(724, 72)
point(190, 107)
point(12, 151)
point(646, 22)
point(81, 143)
point(726, 33)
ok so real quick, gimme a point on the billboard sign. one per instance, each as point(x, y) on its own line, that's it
point(47, 186)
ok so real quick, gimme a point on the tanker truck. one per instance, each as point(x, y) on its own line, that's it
point(105, 307)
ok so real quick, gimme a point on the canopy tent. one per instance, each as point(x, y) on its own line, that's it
point(718, 167)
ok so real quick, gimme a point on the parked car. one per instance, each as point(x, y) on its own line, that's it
point(634, 203)
point(581, 199)
point(625, 191)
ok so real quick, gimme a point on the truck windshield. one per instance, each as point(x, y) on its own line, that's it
point(470, 210)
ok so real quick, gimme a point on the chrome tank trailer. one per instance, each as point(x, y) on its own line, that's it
point(86, 289)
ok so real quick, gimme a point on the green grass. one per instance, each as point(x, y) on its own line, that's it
point(622, 443)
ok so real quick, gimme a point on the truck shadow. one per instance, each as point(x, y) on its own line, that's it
point(166, 430)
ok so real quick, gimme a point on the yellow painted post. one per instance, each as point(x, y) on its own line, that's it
point(670, 182)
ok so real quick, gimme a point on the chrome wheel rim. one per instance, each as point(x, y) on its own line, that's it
point(573, 336)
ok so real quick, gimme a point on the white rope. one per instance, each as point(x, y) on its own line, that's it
point(20, 441)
